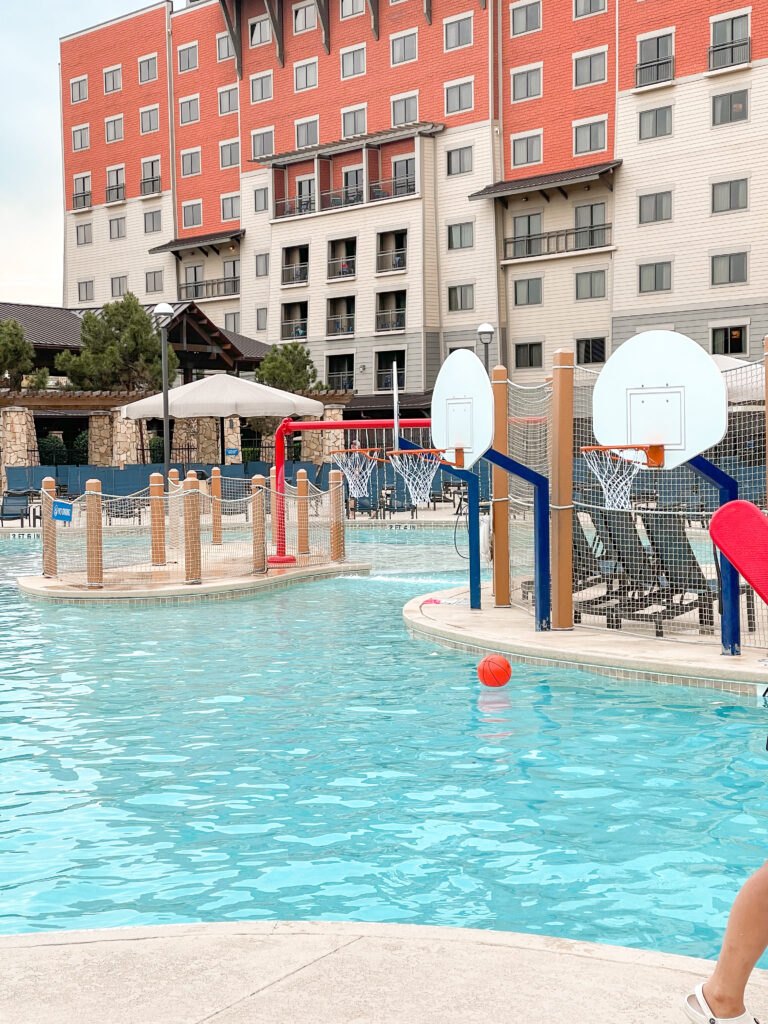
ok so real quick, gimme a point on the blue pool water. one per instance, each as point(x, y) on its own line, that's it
point(294, 755)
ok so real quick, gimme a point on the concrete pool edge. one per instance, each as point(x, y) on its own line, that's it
point(621, 656)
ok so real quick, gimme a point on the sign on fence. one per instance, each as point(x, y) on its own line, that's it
point(231, 451)
point(62, 510)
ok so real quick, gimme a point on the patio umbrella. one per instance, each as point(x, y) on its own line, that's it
point(222, 395)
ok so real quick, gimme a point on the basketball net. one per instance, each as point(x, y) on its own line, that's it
point(616, 469)
point(417, 467)
point(357, 465)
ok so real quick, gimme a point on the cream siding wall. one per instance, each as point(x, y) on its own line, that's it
point(257, 238)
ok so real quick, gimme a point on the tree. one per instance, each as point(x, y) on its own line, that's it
point(17, 356)
point(121, 349)
point(289, 367)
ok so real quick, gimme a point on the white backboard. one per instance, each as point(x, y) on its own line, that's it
point(462, 408)
point(660, 387)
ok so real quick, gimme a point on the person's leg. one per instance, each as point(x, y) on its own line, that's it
point(746, 938)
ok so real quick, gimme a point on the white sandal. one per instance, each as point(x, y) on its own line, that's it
point(704, 1014)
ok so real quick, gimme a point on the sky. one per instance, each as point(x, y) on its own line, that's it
point(31, 210)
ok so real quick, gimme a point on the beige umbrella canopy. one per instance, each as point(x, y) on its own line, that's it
point(222, 395)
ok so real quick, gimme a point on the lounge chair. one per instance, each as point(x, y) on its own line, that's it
point(16, 506)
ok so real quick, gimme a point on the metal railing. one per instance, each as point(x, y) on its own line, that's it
point(344, 266)
point(150, 186)
point(390, 320)
point(290, 329)
point(214, 289)
point(391, 188)
point(295, 206)
point(115, 193)
point(553, 242)
point(342, 324)
point(339, 198)
point(653, 71)
point(384, 380)
point(726, 55)
point(392, 259)
point(342, 381)
point(179, 453)
point(81, 200)
point(295, 273)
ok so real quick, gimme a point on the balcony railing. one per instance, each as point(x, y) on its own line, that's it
point(340, 198)
point(81, 201)
point(384, 380)
point(390, 320)
point(344, 266)
point(215, 289)
point(342, 381)
point(390, 188)
point(726, 55)
point(654, 71)
point(295, 206)
point(295, 273)
point(553, 242)
point(115, 193)
point(393, 259)
point(290, 329)
point(342, 324)
point(150, 186)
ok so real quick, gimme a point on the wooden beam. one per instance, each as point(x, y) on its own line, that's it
point(233, 23)
point(373, 7)
point(607, 181)
point(215, 248)
point(428, 11)
point(324, 14)
point(275, 12)
point(543, 193)
point(562, 192)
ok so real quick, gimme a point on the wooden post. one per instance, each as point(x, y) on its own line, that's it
point(94, 556)
point(48, 526)
point(562, 490)
point(258, 488)
point(216, 505)
point(336, 491)
point(157, 517)
point(500, 481)
point(302, 511)
point(273, 517)
point(192, 553)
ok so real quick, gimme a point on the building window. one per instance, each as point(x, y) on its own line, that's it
point(528, 355)
point(304, 17)
point(230, 207)
point(656, 61)
point(81, 199)
point(729, 107)
point(590, 284)
point(81, 138)
point(260, 31)
point(232, 322)
point(525, 17)
point(113, 79)
point(582, 8)
point(117, 227)
point(655, 277)
point(262, 264)
point(460, 160)
point(85, 291)
point(190, 163)
point(152, 221)
point(459, 96)
point(351, 8)
point(655, 206)
point(115, 185)
point(404, 47)
point(192, 213)
point(457, 32)
point(353, 122)
point(589, 69)
point(729, 195)
point(528, 292)
point(305, 75)
point(306, 133)
point(729, 341)
point(589, 138)
point(461, 236)
point(119, 286)
point(78, 89)
point(341, 372)
point(261, 87)
point(189, 110)
point(260, 200)
point(229, 153)
point(150, 120)
point(224, 47)
point(261, 318)
point(384, 361)
point(730, 268)
point(154, 281)
point(228, 100)
point(188, 57)
point(405, 110)
point(730, 42)
point(653, 124)
point(84, 233)
point(114, 128)
point(353, 62)
point(147, 69)
point(461, 297)
point(590, 350)
point(526, 84)
point(526, 150)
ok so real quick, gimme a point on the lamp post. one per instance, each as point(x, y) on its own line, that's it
point(485, 334)
point(163, 316)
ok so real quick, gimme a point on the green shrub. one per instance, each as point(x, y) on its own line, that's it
point(53, 451)
point(78, 453)
point(156, 453)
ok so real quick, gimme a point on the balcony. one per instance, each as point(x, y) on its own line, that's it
point(391, 188)
point(295, 273)
point(384, 379)
point(342, 267)
point(552, 243)
point(390, 261)
point(150, 186)
point(653, 72)
point(390, 320)
point(295, 206)
point(341, 198)
point(115, 193)
point(728, 55)
point(342, 324)
point(293, 329)
point(81, 201)
point(343, 381)
point(218, 288)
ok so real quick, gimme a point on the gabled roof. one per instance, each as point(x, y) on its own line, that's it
point(200, 241)
point(556, 179)
point(45, 326)
point(328, 149)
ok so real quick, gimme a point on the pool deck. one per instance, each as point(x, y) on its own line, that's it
point(618, 654)
point(275, 972)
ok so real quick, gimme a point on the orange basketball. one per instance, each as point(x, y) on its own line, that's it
point(494, 670)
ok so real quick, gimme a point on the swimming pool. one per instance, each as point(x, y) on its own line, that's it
point(295, 755)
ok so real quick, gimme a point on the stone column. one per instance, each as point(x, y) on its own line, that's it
point(312, 444)
point(100, 446)
point(125, 440)
point(184, 441)
point(232, 439)
point(208, 445)
point(19, 442)
point(333, 439)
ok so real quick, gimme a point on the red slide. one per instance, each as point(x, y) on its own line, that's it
point(740, 530)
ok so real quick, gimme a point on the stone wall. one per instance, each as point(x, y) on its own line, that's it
point(208, 444)
point(333, 439)
point(100, 451)
point(125, 440)
point(232, 439)
point(185, 441)
point(18, 441)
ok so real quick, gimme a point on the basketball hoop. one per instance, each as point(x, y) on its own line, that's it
point(417, 466)
point(357, 465)
point(616, 467)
